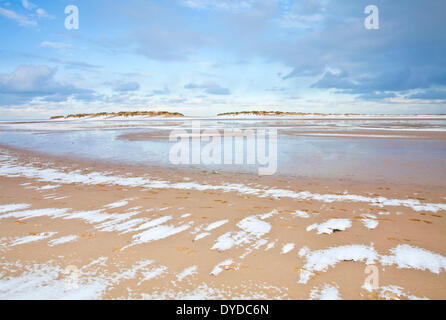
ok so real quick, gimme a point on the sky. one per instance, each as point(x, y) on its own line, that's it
point(204, 57)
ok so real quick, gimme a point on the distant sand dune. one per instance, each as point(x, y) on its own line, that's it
point(120, 114)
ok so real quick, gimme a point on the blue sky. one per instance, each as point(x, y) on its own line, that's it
point(203, 57)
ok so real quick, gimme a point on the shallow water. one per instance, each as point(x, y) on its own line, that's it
point(393, 160)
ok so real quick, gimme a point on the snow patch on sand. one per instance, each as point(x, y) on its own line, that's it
point(118, 204)
point(119, 226)
point(149, 224)
point(403, 256)
point(270, 245)
point(370, 223)
point(331, 226)
point(327, 292)
point(406, 256)
point(287, 248)
point(396, 293)
point(252, 229)
point(216, 225)
point(321, 260)
point(201, 236)
point(254, 226)
point(13, 207)
point(225, 265)
point(130, 273)
point(152, 274)
point(158, 233)
point(44, 282)
point(187, 272)
point(300, 214)
point(32, 238)
point(48, 187)
point(246, 290)
point(28, 214)
point(62, 240)
point(227, 241)
point(103, 221)
point(268, 215)
point(10, 167)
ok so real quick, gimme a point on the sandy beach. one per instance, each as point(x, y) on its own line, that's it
point(85, 227)
point(222, 150)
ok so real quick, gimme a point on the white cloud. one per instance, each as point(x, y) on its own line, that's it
point(28, 5)
point(55, 45)
point(20, 19)
point(218, 4)
point(123, 86)
point(27, 79)
point(305, 14)
point(41, 13)
point(291, 20)
point(28, 82)
point(209, 88)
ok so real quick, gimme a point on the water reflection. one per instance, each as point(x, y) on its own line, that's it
point(399, 159)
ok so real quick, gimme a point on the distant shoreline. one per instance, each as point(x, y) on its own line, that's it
point(246, 115)
point(304, 114)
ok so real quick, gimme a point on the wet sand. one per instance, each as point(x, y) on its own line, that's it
point(374, 134)
point(159, 233)
point(144, 136)
point(414, 157)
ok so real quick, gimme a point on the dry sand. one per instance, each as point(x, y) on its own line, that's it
point(114, 220)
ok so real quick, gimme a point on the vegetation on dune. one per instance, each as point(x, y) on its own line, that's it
point(57, 117)
point(120, 114)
